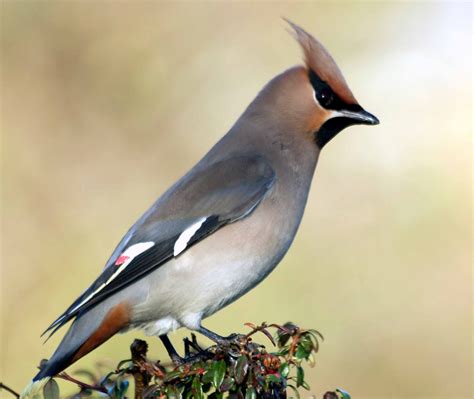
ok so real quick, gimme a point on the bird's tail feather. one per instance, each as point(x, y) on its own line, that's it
point(84, 335)
point(34, 388)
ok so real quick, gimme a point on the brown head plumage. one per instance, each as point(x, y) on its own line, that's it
point(318, 60)
point(312, 100)
point(334, 106)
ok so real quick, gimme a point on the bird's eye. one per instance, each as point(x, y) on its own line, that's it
point(325, 97)
point(323, 93)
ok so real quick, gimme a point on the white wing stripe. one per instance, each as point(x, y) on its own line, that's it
point(182, 241)
point(128, 255)
point(137, 249)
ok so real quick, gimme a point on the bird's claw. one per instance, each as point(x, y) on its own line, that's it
point(192, 344)
point(191, 358)
point(233, 339)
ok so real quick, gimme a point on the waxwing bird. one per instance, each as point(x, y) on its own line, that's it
point(225, 225)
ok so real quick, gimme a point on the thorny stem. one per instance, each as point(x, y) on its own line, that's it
point(81, 384)
point(139, 350)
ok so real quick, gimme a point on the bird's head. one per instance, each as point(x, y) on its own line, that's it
point(316, 98)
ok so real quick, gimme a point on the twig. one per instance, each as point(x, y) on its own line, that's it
point(81, 384)
point(262, 328)
point(8, 389)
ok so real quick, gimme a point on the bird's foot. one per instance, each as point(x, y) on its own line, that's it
point(232, 339)
point(192, 344)
point(191, 358)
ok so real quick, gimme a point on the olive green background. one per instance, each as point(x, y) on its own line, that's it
point(105, 104)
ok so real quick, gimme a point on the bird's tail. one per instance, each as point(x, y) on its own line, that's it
point(62, 358)
point(85, 334)
point(34, 388)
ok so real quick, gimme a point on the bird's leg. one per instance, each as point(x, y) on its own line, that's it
point(177, 360)
point(225, 341)
point(189, 357)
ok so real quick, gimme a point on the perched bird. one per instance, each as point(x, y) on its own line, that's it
point(225, 225)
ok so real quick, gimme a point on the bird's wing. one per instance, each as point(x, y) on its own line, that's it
point(206, 199)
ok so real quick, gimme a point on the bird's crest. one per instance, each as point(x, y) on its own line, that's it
point(318, 59)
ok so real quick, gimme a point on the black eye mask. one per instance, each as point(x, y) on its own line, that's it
point(326, 96)
point(331, 101)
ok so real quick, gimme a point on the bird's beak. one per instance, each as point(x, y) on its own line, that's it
point(359, 117)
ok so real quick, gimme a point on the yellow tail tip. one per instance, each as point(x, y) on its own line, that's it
point(33, 388)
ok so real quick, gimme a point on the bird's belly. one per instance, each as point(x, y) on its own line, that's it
point(181, 294)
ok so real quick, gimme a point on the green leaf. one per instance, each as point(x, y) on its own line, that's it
point(268, 335)
point(307, 343)
point(128, 362)
point(293, 388)
point(241, 368)
point(196, 388)
point(188, 394)
point(285, 333)
point(118, 390)
point(111, 391)
point(172, 392)
point(227, 384)
point(314, 338)
point(106, 378)
point(250, 393)
point(216, 395)
point(282, 337)
point(172, 375)
point(208, 376)
point(316, 333)
point(299, 376)
point(218, 369)
point(305, 385)
point(122, 388)
point(301, 353)
point(282, 352)
point(51, 390)
point(345, 394)
point(284, 370)
point(273, 378)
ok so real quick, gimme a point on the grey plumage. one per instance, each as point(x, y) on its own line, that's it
point(222, 227)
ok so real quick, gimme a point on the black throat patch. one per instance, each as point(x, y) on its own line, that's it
point(330, 128)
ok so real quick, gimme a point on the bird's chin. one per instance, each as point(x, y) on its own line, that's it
point(331, 128)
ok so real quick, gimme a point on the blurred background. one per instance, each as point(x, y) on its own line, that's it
point(105, 104)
